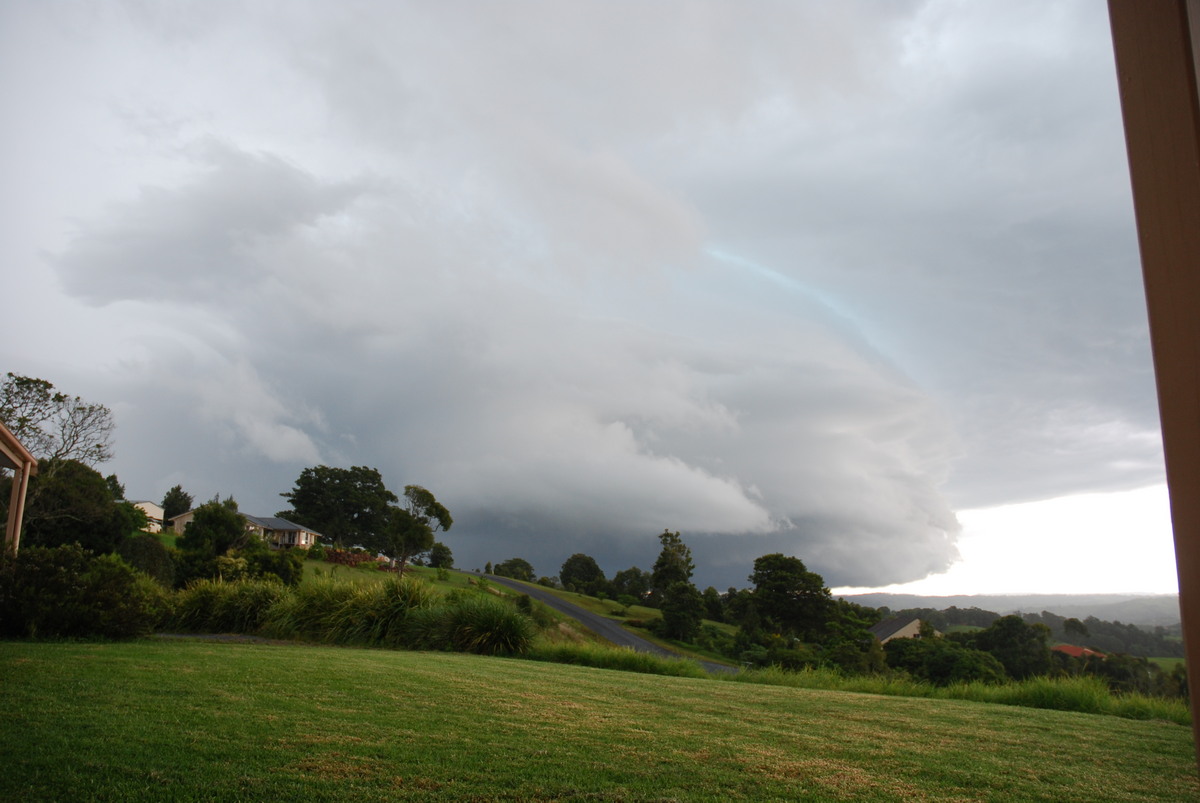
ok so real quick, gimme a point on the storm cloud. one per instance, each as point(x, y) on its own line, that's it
point(792, 277)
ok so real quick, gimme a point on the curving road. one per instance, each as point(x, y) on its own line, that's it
point(601, 625)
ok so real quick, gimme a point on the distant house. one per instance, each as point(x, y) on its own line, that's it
point(181, 521)
point(1076, 652)
point(281, 533)
point(154, 515)
point(896, 627)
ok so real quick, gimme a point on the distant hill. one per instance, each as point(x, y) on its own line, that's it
point(1146, 610)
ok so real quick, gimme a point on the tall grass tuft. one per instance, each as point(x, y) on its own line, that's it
point(375, 614)
point(309, 612)
point(486, 626)
point(215, 606)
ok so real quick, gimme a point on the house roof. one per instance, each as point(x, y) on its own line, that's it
point(276, 523)
point(889, 627)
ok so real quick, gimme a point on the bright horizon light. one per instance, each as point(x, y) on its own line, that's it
point(1085, 544)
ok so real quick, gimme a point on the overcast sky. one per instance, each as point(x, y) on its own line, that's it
point(843, 280)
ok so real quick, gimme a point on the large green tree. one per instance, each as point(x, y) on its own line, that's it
point(790, 597)
point(70, 502)
point(682, 609)
point(425, 508)
point(581, 573)
point(633, 582)
point(440, 556)
point(516, 568)
point(674, 564)
point(405, 536)
point(1021, 647)
point(216, 528)
point(350, 506)
point(175, 502)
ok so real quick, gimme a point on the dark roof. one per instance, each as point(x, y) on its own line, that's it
point(276, 523)
point(889, 627)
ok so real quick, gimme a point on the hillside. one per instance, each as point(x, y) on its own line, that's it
point(191, 720)
point(1146, 610)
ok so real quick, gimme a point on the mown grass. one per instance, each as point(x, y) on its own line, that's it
point(184, 721)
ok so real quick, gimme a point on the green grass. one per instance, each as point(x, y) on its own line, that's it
point(184, 720)
point(1167, 664)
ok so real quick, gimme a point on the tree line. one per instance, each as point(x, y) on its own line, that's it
point(787, 617)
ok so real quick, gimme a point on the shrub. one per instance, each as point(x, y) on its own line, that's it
point(67, 592)
point(146, 553)
point(316, 551)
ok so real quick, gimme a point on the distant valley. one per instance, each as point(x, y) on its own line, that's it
point(1146, 610)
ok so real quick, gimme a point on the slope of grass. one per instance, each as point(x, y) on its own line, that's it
point(230, 721)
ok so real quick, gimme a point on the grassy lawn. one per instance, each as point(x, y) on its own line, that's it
point(1167, 664)
point(192, 720)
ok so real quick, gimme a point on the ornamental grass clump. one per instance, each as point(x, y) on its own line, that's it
point(486, 627)
point(310, 611)
point(376, 614)
point(216, 606)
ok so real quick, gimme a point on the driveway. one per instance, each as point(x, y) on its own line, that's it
point(600, 625)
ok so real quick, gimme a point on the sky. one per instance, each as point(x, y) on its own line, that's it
point(855, 282)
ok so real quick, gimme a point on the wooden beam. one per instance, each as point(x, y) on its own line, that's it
point(1157, 46)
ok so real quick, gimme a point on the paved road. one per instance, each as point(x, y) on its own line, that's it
point(598, 624)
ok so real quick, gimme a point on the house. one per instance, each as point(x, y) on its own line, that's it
point(896, 627)
point(1076, 652)
point(281, 533)
point(181, 521)
point(154, 514)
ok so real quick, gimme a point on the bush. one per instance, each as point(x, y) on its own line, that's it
point(316, 551)
point(65, 592)
point(146, 553)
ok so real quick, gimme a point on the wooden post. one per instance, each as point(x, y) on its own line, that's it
point(16, 508)
point(1157, 46)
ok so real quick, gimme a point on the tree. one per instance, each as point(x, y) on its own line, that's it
point(146, 553)
point(682, 608)
point(422, 506)
point(350, 506)
point(516, 568)
point(631, 582)
point(440, 556)
point(115, 488)
point(72, 503)
point(406, 535)
point(674, 564)
point(175, 502)
point(581, 573)
point(1021, 647)
point(216, 528)
point(792, 598)
point(55, 426)
point(942, 662)
point(714, 606)
point(1075, 627)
